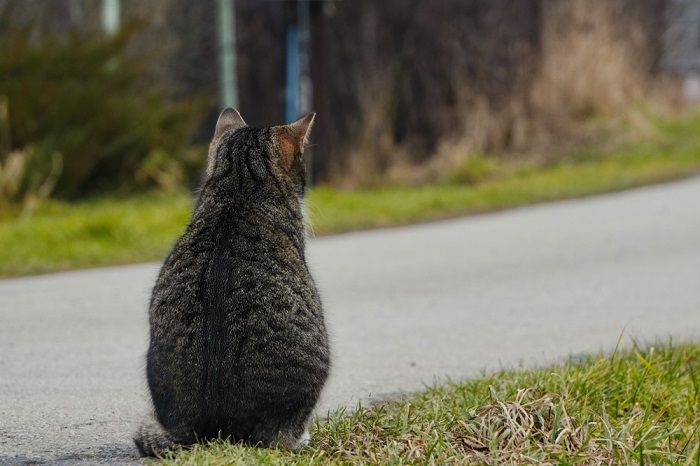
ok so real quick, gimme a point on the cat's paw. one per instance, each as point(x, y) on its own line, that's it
point(303, 440)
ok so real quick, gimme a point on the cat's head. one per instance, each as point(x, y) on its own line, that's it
point(274, 150)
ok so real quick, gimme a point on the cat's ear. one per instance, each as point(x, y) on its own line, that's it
point(301, 129)
point(229, 120)
point(293, 137)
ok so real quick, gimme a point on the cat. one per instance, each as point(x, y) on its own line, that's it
point(238, 343)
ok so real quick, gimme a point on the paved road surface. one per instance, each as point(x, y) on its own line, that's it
point(405, 307)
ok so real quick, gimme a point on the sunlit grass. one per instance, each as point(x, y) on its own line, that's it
point(673, 152)
point(636, 407)
point(111, 230)
point(337, 211)
point(97, 232)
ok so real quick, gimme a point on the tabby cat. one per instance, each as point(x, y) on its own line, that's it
point(238, 345)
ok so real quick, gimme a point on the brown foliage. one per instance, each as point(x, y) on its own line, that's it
point(404, 88)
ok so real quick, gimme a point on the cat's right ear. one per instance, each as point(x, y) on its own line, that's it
point(229, 120)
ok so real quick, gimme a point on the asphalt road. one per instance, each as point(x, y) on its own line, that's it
point(405, 307)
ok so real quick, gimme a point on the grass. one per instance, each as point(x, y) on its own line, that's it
point(109, 230)
point(634, 407)
point(96, 232)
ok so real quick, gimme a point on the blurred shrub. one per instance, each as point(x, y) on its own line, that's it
point(406, 82)
point(28, 177)
point(472, 170)
point(82, 100)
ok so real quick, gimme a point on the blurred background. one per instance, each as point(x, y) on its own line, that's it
point(120, 96)
point(426, 110)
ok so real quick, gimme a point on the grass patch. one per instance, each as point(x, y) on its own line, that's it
point(97, 232)
point(637, 407)
point(110, 231)
point(673, 152)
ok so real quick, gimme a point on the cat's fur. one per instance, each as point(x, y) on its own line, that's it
point(238, 344)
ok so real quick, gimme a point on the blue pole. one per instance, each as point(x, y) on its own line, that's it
point(291, 82)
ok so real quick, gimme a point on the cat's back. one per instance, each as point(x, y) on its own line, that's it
point(261, 291)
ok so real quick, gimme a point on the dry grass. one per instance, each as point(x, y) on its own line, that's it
point(517, 422)
point(597, 65)
point(593, 68)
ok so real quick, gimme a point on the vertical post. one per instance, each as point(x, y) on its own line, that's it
point(320, 132)
point(228, 92)
point(291, 74)
point(110, 16)
point(306, 97)
point(305, 83)
point(298, 88)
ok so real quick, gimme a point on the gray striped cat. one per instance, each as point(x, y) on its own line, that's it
point(238, 345)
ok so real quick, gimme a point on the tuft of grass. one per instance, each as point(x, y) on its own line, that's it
point(109, 230)
point(635, 407)
point(473, 169)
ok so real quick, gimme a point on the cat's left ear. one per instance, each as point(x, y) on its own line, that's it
point(229, 120)
point(293, 137)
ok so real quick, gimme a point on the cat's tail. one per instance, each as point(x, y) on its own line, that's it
point(152, 439)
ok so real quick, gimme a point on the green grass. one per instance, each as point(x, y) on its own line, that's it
point(110, 230)
point(91, 233)
point(635, 407)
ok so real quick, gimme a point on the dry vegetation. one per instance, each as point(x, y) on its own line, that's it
point(529, 81)
point(405, 89)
